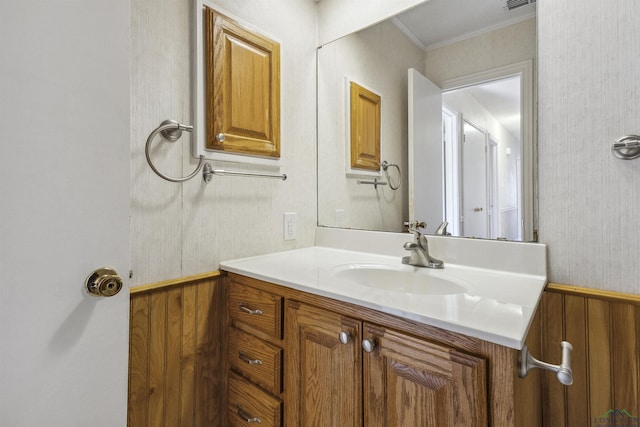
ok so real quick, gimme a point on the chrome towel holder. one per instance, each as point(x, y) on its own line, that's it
point(563, 371)
point(171, 130)
point(385, 165)
point(626, 147)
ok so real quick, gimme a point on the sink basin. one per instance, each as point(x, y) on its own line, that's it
point(401, 278)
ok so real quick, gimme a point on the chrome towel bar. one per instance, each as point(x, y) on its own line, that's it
point(172, 131)
point(208, 173)
point(375, 182)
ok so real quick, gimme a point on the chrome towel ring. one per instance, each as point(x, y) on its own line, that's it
point(171, 131)
point(385, 166)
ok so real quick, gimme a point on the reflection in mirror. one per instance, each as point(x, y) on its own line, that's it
point(432, 174)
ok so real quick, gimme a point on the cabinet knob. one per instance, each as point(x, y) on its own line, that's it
point(368, 345)
point(220, 137)
point(345, 337)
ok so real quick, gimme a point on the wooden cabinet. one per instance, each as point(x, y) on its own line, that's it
point(254, 354)
point(414, 382)
point(323, 373)
point(345, 365)
point(364, 113)
point(394, 379)
point(242, 79)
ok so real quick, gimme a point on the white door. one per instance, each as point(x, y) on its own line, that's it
point(64, 195)
point(474, 182)
point(426, 187)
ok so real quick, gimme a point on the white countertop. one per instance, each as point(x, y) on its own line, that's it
point(497, 306)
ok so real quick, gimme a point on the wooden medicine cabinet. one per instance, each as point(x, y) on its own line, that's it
point(242, 81)
point(364, 128)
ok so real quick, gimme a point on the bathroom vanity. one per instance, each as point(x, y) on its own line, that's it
point(315, 339)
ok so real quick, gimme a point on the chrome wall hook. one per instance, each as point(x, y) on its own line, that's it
point(626, 147)
point(526, 362)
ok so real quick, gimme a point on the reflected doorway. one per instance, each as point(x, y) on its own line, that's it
point(482, 130)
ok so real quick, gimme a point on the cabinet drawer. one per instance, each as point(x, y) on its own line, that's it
point(257, 309)
point(255, 359)
point(249, 404)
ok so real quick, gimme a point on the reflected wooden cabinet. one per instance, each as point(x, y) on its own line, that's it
point(393, 379)
point(364, 114)
point(242, 80)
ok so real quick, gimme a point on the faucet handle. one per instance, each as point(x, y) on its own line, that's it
point(442, 229)
point(415, 224)
point(410, 245)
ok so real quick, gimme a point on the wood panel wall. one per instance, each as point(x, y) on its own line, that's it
point(176, 360)
point(175, 353)
point(603, 328)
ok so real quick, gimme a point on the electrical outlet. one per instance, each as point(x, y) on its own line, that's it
point(340, 218)
point(289, 226)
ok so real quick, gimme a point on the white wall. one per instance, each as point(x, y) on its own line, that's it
point(508, 45)
point(184, 229)
point(359, 56)
point(589, 95)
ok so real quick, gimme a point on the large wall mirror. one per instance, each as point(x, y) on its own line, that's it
point(456, 82)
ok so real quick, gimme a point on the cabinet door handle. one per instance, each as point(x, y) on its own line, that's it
point(368, 345)
point(250, 311)
point(345, 337)
point(249, 360)
point(246, 417)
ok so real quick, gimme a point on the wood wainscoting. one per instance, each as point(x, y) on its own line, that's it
point(174, 352)
point(176, 362)
point(603, 328)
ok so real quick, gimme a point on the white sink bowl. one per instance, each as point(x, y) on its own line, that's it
point(402, 278)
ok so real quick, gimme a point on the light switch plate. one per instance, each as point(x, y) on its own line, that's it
point(340, 218)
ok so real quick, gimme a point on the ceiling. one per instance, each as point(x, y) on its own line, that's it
point(440, 22)
point(502, 99)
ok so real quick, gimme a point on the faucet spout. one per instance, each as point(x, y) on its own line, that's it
point(420, 252)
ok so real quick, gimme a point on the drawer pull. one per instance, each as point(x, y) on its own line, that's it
point(250, 311)
point(246, 417)
point(249, 360)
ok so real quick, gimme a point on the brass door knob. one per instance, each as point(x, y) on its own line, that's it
point(103, 282)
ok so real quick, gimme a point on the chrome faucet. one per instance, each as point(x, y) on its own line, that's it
point(420, 251)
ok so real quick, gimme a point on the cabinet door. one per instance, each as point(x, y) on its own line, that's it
point(242, 88)
point(411, 382)
point(322, 374)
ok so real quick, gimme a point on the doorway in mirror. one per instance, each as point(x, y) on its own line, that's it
point(481, 127)
point(468, 170)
